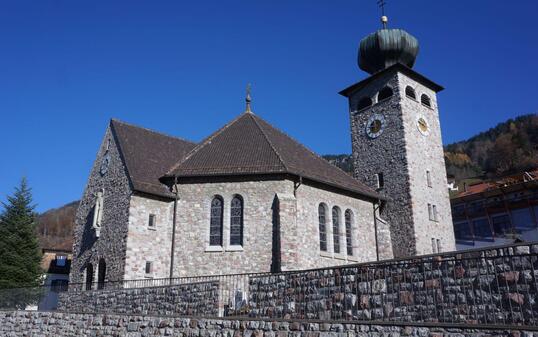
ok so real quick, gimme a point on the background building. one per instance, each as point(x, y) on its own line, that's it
point(497, 212)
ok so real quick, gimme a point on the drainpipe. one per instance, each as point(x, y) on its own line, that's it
point(376, 208)
point(296, 186)
point(176, 191)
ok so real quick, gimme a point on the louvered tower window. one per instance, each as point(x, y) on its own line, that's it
point(410, 92)
point(384, 93)
point(425, 100)
point(236, 221)
point(215, 224)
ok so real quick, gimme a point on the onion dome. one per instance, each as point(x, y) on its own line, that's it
point(385, 48)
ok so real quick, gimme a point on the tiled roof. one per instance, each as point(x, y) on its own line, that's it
point(248, 145)
point(147, 155)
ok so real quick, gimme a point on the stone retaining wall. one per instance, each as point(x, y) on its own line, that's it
point(494, 286)
point(185, 299)
point(23, 323)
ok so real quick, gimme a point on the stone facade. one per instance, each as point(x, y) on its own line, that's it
point(149, 244)
point(274, 239)
point(402, 155)
point(110, 246)
point(184, 299)
point(20, 323)
point(363, 235)
point(425, 153)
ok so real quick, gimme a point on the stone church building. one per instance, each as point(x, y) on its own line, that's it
point(249, 198)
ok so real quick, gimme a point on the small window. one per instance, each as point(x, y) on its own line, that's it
point(430, 212)
point(322, 227)
point(439, 246)
point(149, 268)
point(152, 220)
point(364, 103)
point(60, 260)
point(410, 92)
point(385, 93)
point(379, 180)
point(434, 209)
point(428, 178)
point(336, 229)
point(425, 100)
point(434, 246)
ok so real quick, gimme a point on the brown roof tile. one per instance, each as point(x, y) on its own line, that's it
point(147, 154)
point(250, 145)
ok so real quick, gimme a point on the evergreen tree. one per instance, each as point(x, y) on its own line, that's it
point(20, 256)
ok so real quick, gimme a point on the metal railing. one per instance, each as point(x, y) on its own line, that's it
point(496, 286)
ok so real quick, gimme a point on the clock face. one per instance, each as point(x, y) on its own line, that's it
point(104, 164)
point(423, 126)
point(375, 126)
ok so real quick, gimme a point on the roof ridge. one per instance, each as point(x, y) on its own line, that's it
point(267, 140)
point(203, 143)
point(311, 152)
point(150, 130)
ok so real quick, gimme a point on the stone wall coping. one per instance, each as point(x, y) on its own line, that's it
point(305, 321)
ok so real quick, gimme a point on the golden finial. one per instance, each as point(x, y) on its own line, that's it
point(248, 99)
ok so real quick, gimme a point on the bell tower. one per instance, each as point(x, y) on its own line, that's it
point(396, 143)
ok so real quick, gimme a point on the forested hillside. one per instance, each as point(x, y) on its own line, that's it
point(55, 227)
point(509, 147)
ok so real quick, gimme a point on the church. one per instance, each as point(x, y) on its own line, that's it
point(249, 198)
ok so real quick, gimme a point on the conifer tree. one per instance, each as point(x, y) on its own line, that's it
point(19, 248)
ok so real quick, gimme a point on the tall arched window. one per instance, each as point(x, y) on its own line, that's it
point(336, 229)
point(215, 222)
point(349, 240)
point(384, 93)
point(424, 99)
point(410, 92)
point(101, 274)
point(236, 221)
point(322, 219)
point(89, 276)
point(364, 103)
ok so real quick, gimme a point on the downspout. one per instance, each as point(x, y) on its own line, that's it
point(376, 206)
point(174, 219)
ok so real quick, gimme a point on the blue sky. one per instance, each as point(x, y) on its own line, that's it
point(180, 67)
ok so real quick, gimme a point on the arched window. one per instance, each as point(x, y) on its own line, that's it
point(215, 222)
point(424, 99)
point(364, 103)
point(336, 229)
point(89, 276)
point(322, 210)
point(410, 92)
point(385, 93)
point(101, 274)
point(236, 221)
point(349, 222)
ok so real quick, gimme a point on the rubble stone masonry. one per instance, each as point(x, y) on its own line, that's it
point(21, 323)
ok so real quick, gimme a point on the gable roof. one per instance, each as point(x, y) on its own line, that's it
point(147, 154)
point(248, 145)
